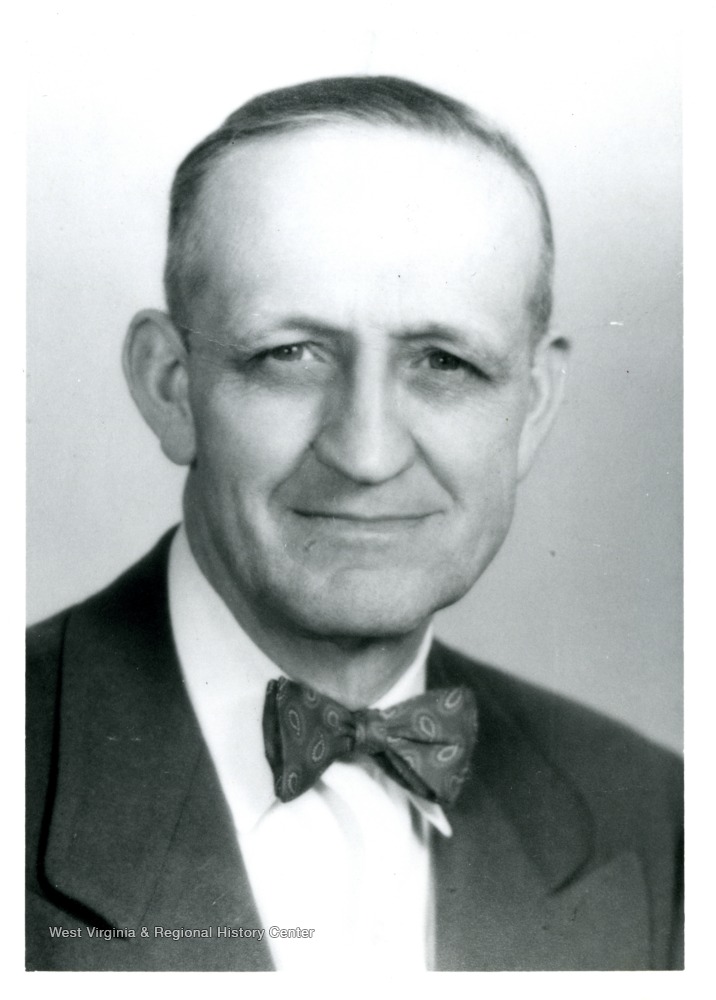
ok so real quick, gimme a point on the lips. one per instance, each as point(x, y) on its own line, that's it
point(388, 518)
point(361, 529)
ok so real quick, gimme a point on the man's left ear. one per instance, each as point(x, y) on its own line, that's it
point(155, 366)
point(547, 387)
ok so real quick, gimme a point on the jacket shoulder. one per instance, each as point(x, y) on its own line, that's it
point(135, 594)
point(617, 770)
point(126, 609)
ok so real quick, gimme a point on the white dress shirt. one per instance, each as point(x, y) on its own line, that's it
point(349, 859)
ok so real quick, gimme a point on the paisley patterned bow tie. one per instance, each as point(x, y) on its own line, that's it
point(424, 744)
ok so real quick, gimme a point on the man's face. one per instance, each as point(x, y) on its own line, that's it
point(359, 377)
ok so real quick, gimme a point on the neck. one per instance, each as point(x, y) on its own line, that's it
point(355, 671)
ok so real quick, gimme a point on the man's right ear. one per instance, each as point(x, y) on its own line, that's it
point(155, 366)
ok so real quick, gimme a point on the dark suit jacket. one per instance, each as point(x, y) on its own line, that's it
point(566, 845)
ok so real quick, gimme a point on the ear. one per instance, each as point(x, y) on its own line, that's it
point(549, 369)
point(155, 366)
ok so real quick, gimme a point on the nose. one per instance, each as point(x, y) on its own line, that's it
point(363, 434)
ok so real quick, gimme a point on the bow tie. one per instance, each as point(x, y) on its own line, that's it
point(424, 743)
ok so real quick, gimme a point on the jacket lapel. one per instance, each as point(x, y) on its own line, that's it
point(139, 833)
point(518, 885)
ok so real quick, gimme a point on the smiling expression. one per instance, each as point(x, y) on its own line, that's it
point(360, 373)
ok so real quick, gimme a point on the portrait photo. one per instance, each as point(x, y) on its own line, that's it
point(354, 488)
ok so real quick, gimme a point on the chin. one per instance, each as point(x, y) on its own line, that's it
point(363, 609)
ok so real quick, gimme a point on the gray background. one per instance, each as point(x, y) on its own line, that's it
point(586, 595)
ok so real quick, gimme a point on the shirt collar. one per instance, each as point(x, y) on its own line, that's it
point(226, 676)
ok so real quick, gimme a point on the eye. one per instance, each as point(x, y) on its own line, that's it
point(446, 362)
point(286, 352)
point(293, 364)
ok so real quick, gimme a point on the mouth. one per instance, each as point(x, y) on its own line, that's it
point(388, 519)
point(363, 526)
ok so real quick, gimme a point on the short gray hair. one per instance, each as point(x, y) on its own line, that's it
point(379, 100)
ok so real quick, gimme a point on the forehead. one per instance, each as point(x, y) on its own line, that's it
point(367, 205)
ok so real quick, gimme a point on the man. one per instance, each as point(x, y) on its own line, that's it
point(357, 368)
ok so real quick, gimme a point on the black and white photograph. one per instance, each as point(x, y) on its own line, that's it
point(354, 489)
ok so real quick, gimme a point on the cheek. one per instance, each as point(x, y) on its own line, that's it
point(249, 445)
point(475, 456)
